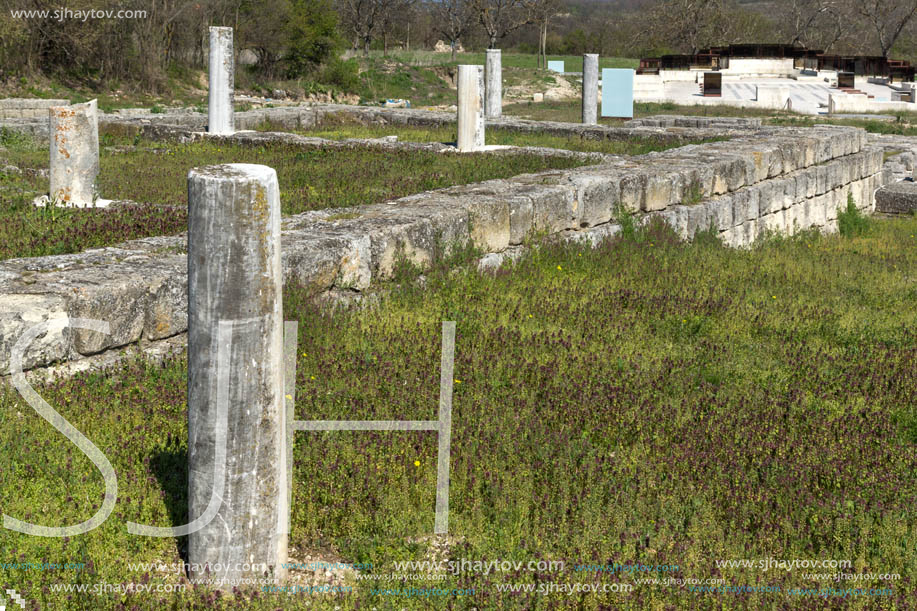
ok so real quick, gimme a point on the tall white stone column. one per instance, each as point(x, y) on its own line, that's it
point(222, 71)
point(590, 88)
point(493, 84)
point(237, 455)
point(470, 107)
point(74, 162)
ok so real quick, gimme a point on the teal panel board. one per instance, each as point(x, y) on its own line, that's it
point(618, 92)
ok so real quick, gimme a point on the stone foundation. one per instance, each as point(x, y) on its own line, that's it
point(763, 179)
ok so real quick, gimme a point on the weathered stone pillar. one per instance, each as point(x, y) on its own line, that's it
point(222, 70)
point(590, 88)
point(235, 374)
point(470, 107)
point(74, 142)
point(493, 84)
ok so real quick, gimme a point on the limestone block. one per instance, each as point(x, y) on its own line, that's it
point(167, 310)
point(823, 152)
point(776, 163)
point(761, 160)
point(598, 195)
point(721, 209)
point(111, 294)
point(835, 176)
point(697, 219)
point(830, 208)
point(752, 204)
point(489, 216)
point(730, 238)
point(750, 229)
point(821, 179)
point(802, 185)
point(740, 207)
point(789, 151)
point(789, 192)
point(681, 221)
point(817, 213)
point(18, 314)
point(810, 152)
point(633, 191)
point(554, 207)
point(660, 191)
point(767, 199)
point(774, 222)
point(805, 214)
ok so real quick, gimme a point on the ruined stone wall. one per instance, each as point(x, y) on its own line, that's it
point(28, 108)
point(763, 179)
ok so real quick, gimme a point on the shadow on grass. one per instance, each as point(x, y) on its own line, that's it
point(170, 467)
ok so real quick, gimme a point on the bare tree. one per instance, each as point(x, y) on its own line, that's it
point(817, 24)
point(500, 17)
point(361, 18)
point(452, 19)
point(887, 18)
point(541, 12)
point(686, 24)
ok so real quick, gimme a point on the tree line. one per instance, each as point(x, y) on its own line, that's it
point(298, 38)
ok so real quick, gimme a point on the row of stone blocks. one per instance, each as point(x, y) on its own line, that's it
point(308, 117)
point(140, 288)
point(28, 108)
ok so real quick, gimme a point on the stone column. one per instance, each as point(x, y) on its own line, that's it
point(74, 143)
point(493, 87)
point(235, 374)
point(590, 88)
point(470, 107)
point(222, 70)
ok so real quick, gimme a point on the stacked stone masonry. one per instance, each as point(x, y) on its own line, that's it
point(761, 180)
point(27, 108)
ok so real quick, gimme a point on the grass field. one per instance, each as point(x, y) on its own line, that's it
point(646, 402)
point(156, 173)
point(447, 135)
point(572, 63)
point(569, 111)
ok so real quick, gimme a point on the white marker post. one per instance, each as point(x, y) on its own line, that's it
point(222, 71)
point(493, 86)
point(470, 108)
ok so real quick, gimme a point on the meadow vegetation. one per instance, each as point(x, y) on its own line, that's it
point(493, 136)
point(154, 174)
point(647, 402)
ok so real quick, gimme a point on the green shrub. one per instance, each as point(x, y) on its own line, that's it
point(851, 222)
point(340, 74)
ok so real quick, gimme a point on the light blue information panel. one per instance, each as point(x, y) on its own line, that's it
point(618, 92)
point(556, 66)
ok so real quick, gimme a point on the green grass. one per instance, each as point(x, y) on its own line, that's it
point(903, 126)
point(156, 173)
point(570, 111)
point(493, 136)
point(572, 63)
point(645, 402)
point(422, 76)
point(312, 178)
